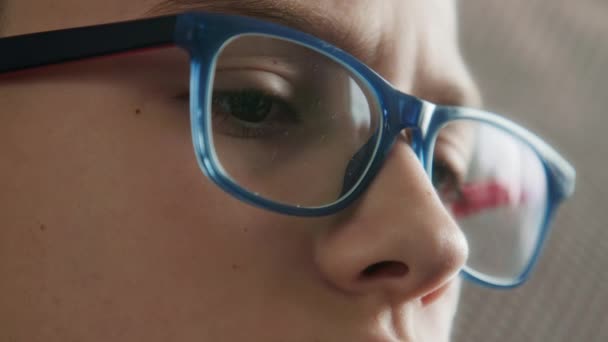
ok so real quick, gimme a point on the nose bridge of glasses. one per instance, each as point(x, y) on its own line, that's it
point(406, 111)
point(409, 112)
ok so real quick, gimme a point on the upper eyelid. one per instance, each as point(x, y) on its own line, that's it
point(273, 84)
point(455, 161)
point(268, 64)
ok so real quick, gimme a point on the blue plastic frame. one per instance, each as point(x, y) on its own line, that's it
point(203, 35)
point(560, 178)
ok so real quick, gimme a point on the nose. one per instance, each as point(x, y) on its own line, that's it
point(398, 240)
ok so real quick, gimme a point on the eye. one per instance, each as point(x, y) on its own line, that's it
point(247, 105)
point(446, 181)
point(250, 113)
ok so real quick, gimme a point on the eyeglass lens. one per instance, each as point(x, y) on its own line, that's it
point(290, 124)
point(495, 186)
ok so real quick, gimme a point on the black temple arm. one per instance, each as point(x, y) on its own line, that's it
point(38, 49)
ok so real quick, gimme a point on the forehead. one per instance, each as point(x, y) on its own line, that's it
point(359, 23)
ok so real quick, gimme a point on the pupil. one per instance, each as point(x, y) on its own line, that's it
point(248, 106)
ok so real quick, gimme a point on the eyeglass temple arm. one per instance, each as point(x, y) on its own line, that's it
point(39, 49)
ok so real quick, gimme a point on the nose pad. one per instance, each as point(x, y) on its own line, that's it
point(357, 164)
point(403, 118)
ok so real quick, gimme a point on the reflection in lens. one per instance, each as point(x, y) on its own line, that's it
point(495, 186)
point(288, 123)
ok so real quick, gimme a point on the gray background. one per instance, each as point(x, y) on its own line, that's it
point(545, 63)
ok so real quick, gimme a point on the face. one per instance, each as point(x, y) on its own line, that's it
point(112, 233)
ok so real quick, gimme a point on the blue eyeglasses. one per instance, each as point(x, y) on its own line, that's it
point(291, 124)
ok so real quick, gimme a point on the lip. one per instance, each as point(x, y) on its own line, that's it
point(433, 296)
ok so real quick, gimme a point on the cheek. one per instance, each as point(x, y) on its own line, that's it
point(109, 211)
point(78, 141)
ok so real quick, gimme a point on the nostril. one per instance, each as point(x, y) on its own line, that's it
point(383, 269)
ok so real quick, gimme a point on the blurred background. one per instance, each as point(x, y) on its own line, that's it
point(544, 63)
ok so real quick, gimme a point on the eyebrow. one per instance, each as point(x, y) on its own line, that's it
point(285, 13)
point(293, 14)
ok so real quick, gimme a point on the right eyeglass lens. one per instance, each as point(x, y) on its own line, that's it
point(290, 124)
point(495, 186)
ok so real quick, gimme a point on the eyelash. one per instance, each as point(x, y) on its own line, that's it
point(230, 125)
point(227, 106)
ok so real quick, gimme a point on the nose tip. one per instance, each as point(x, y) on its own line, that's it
point(398, 240)
point(357, 260)
point(434, 270)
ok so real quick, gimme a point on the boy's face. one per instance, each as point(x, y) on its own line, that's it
point(110, 232)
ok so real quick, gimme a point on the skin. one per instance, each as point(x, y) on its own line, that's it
point(110, 232)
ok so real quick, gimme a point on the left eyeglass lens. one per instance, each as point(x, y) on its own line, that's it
point(495, 186)
point(290, 124)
